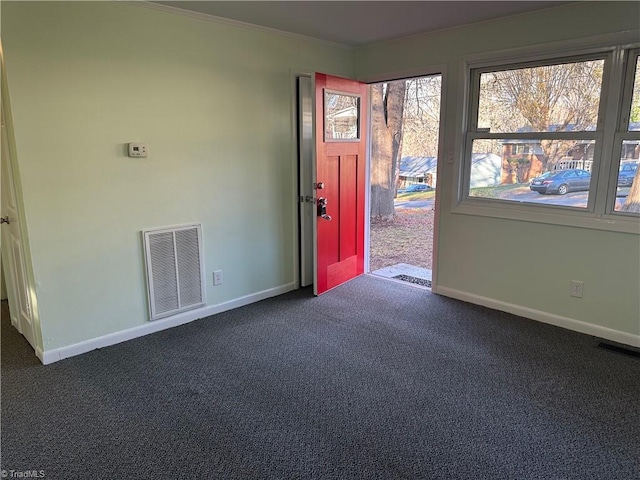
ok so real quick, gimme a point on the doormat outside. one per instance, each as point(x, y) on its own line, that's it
point(418, 281)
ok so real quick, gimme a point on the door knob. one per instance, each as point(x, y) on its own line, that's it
point(5, 220)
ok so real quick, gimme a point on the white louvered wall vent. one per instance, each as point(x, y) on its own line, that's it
point(175, 273)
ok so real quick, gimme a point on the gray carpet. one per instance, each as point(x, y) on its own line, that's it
point(374, 380)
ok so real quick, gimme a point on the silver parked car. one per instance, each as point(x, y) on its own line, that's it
point(561, 181)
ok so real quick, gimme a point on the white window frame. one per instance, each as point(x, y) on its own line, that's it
point(599, 214)
point(622, 131)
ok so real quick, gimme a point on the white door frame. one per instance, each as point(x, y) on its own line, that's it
point(306, 198)
point(445, 156)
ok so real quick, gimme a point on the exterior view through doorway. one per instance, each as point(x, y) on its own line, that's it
point(405, 132)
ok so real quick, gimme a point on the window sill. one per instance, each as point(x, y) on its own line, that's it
point(552, 215)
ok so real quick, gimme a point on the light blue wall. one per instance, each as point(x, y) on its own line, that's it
point(214, 103)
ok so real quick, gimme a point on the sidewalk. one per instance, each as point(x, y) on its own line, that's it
point(406, 273)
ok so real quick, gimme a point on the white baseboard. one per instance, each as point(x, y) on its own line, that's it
point(545, 317)
point(61, 353)
point(56, 354)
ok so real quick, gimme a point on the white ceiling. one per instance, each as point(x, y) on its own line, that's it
point(360, 22)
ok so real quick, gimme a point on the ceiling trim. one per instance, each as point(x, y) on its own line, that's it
point(234, 23)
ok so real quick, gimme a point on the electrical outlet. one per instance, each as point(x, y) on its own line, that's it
point(576, 288)
point(217, 277)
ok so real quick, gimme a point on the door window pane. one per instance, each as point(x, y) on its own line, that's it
point(341, 117)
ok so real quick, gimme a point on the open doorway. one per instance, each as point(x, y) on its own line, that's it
point(405, 127)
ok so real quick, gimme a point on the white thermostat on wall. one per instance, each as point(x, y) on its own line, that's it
point(138, 150)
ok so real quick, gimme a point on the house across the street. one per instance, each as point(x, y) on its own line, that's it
point(486, 170)
point(418, 170)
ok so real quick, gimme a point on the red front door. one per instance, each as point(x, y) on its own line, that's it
point(341, 107)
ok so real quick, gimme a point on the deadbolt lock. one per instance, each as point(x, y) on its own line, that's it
point(322, 208)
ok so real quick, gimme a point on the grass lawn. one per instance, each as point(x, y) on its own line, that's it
point(407, 238)
point(499, 191)
point(416, 196)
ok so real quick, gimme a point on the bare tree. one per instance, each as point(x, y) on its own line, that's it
point(387, 107)
point(422, 117)
point(555, 98)
point(632, 203)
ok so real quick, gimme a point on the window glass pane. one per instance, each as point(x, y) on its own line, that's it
point(550, 98)
point(634, 121)
point(341, 116)
point(552, 172)
point(626, 199)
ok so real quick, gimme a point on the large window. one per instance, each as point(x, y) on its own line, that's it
point(550, 135)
